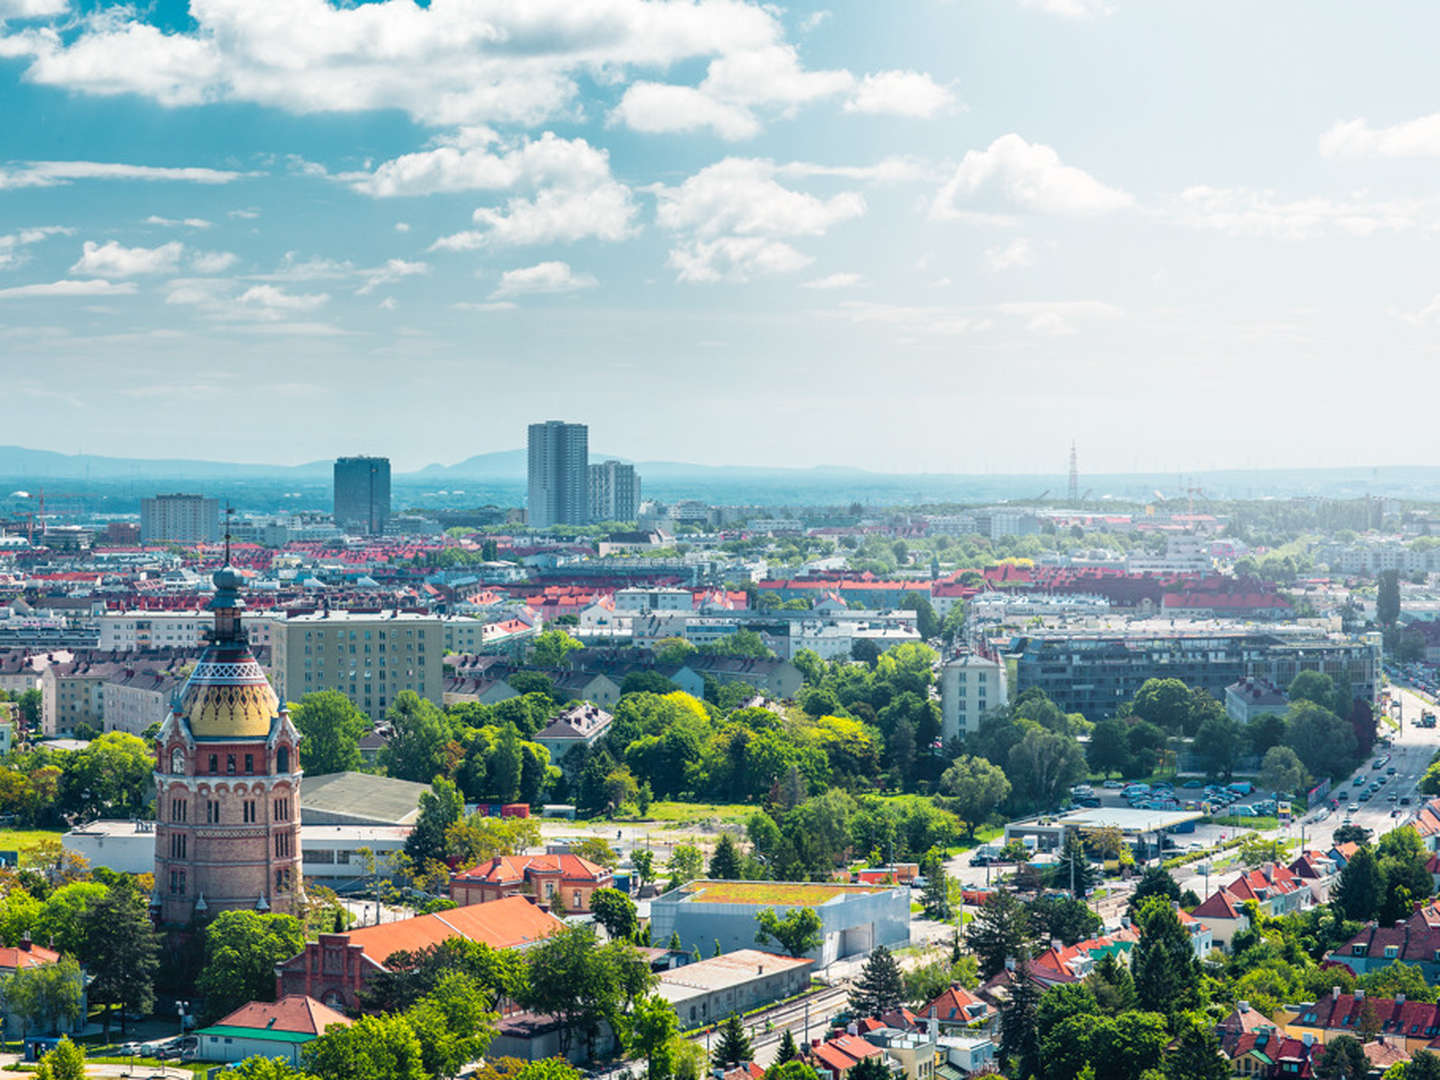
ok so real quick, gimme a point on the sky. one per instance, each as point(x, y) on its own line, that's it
point(910, 236)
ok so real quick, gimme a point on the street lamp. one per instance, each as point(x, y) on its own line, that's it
point(181, 1008)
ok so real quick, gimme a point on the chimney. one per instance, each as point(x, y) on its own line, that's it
point(1309, 1038)
point(1334, 993)
point(1399, 999)
point(1009, 963)
point(25, 941)
point(1243, 1006)
point(852, 1028)
point(1359, 996)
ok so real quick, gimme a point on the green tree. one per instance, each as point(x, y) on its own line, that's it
point(1109, 750)
point(1197, 1054)
point(420, 740)
point(1395, 978)
point(1323, 742)
point(1360, 890)
point(66, 1061)
point(452, 1023)
point(870, 1068)
point(787, 1050)
point(733, 1046)
point(265, 1068)
point(440, 808)
point(505, 765)
point(47, 995)
point(1165, 703)
point(583, 983)
point(330, 730)
point(1000, 931)
point(1219, 742)
point(615, 912)
point(1344, 1058)
point(241, 951)
point(123, 952)
point(1423, 1065)
point(1062, 918)
point(1387, 599)
point(552, 648)
point(1044, 765)
point(880, 986)
point(926, 621)
point(797, 933)
point(372, 1048)
point(1166, 973)
point(976, 787)
point(651, 1033)
point(935, 898)
point(1282, 771)
point(1074, 871)
point(725, 862)
point(1019, 1034)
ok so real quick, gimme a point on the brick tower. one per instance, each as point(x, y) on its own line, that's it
point(227, 782)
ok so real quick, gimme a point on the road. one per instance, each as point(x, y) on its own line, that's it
point(1410, 756)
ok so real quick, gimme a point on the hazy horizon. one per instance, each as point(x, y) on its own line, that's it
point(932, 238)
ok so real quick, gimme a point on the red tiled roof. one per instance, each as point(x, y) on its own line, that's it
point(501, 924)
point(13, 959)
point(510, 869)
point(956, 1003)
point(293, 1012)
point(1219, 905)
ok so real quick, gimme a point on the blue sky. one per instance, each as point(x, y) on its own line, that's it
point(922, 235)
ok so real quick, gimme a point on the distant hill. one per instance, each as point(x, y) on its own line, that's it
point(21, 462)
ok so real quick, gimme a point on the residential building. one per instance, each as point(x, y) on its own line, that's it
point(129, 631)
point(970, 687)
point(362, 494)
point(1415, 940)
point(778, 678)
point(273, 1029)
point(736, 982)
point(833, 1058)
point(179, 519)
point(136, 698)
point(1249, 699)
point(1276, 890)
point(563, 882)
point(227, 779)
point(854, 918)
point(956, 1008)
point(559, 474)
point(579, 724)
point(646, 601)
point(370, 657)
point(614, 492)
point(337, 968)
point(25, 956)
point(1413, 1025)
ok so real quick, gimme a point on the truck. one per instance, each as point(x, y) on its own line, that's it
point(1427, 719)
point(1242, 787)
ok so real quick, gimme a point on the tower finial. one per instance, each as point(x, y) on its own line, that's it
point(229, 513)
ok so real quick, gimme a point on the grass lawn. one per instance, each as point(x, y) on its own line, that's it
point(24, 840)
point(199, 1068)
point(1260, 823)
point(684, 813)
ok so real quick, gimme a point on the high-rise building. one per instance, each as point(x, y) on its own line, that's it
point(559, 492)
point(614, 492)
point(362, 494)
point(227, 783)
point(180, 519)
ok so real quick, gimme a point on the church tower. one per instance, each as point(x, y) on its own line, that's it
point(227, 782)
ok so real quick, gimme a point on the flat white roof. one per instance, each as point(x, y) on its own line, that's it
point(1127, 820)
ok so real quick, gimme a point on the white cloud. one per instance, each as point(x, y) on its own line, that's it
point(94, 287)
point(1071, 9)
point(1024, 176)
point(54, 173)
point(662, 108)
point(445, 63)
point(388, 304)
point(212, 262)
point(402, 226)
point(814, 19)
point(173, 223)
point(899, 93)
point(736, 84)
point(546, 277)
point(554, 216)
point(741, 196)
point(273, 298)
point(489, 305)
point(1046, 318)
point(890, 170)
point(735, 258)
point(247, 214)
point(113, 260)
point(32, 9)
point(392, 271)
point(11, 243)
point(1356, 138)
point(834, 281)
point(1012, 256)
point(1055, 318)
point(1248, 212)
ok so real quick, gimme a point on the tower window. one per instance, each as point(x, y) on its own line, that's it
point(177, 846)
point(212, 812)
point(282, 759)
point(249, 763)
point(248, 811)
point(214, 763)
point(178, 809)
point(229, 764)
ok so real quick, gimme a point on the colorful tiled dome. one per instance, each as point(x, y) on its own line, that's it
point(228, 695)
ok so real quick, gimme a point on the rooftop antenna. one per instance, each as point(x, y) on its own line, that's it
point(229, 513)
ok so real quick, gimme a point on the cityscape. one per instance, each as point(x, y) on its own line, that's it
point(718, 540)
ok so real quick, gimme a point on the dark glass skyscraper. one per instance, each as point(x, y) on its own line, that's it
point(362, 494)
point(559, 492)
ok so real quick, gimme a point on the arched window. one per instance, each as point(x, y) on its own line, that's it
point(177, 761)
point(282, 759)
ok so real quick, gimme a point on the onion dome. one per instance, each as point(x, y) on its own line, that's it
point(228, 695)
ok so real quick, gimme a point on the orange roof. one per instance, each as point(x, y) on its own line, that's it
point(501, 924)
point(293, 1012)
point(33, 957)
point(503, 869)
point(956, 1003)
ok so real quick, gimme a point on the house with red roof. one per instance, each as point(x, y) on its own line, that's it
point(27, 956)
point(956, 1007)
point(1266, 1051)
point(1221, 911)
point(564, 882)
point(1413, 1025)
point(1415, 940)
point(336, 968)
point(833, 1058)
point(273, 1029)
point(1276, 890)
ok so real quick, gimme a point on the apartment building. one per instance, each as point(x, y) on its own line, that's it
point(133, 699)
point(128, 631)
point(614, 492)
point(370, 657)
point(970, 687)
point(180, 519)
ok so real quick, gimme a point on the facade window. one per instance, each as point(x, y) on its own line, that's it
point(177, 760)
point(230, 764)
point(177, 845)
point(576, 898)
point(177, 809)
point(282, 846)
point(177, 882)
point(214, 763)
point(249, 763)
point(212, 812)
point(282, 880)
point(282, 809)
point(248, 811)
point(282, 759)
